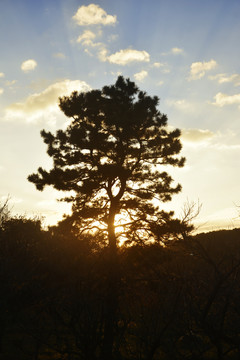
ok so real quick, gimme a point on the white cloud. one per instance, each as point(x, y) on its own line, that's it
point(176, 51)
point(127, 56)
point(122, 57)
point(93, 15)
point(223, 99)
point(224, 78)
point(196, 135)
point(86, 37)
point(1, 91)
point(28, 65)
point(38, 104)
point(1, 75)
point(140, 75)
point(198, 69)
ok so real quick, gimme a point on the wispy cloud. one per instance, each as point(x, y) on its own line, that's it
point(93, 15)
point(180, 104)
point(197, 135)
point(112, 38)
point(173, 51)
point(227, 147)
point(224, 99)
point(86, 37)
point(28, 65)
point(1, 91)
point(199, 69)
point(9, 83)
point(140, 76)
point(59, 55)
point(1, 75)
point(91, 47)
point(128, 56)
point(224, 78)
point(158, 64)
point(177, 51)
point(36, 105)
point(163, 67)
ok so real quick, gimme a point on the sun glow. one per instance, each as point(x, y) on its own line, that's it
point(121, 221)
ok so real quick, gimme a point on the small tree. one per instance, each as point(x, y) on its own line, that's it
point(4, 211)
point(111, 158)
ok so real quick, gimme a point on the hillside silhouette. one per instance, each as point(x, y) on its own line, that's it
point(175, 302)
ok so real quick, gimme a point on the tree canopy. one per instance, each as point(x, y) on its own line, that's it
point(111, 158)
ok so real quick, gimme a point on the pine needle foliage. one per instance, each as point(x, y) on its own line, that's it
point(111, 158)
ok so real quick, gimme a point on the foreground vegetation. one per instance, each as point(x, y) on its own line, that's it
point(174, 302)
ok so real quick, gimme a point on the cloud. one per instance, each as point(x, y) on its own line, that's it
point(93, 15)
point(227, 147)
point(128, 56)
point(180, 104)
point(28, 65)
point(86, 37)
point(166, 71)
point(1, 91)
point(198, 69)
point(176, 51)
point(140, 75)
point(1, 75)
point(59, 55)
point(86, 40)
point(157, 64)
point(223, 99)
point(173, 51)
point(196, 135)
point(9, 83)
point(224, 78)
point(101, 51)
point(36, 105)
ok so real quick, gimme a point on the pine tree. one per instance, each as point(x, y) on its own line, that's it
point(111, 157)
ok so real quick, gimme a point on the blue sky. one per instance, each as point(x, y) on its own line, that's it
point(184, 51)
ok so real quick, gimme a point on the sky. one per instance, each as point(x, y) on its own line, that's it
point(184, 51)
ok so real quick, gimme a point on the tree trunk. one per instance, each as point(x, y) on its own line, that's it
point(111, 299)
point(111, 230)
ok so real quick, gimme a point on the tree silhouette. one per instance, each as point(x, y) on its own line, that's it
point(111, 157)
